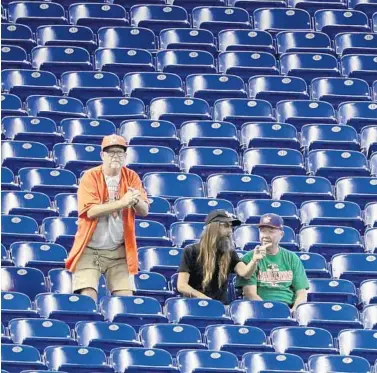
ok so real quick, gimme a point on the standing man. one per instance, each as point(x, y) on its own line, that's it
point(109, 197)
point(280, 275)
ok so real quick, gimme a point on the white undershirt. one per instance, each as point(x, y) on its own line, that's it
point(109, 233)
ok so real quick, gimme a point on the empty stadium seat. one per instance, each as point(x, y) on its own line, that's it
point(370, 214)
point(7, 180)
point(150, 232)
point(183, 234)
point(303, 41)
point(77, 157)
point(355, 42)
point(370, 240)
point(158, 17)
point(66, 35)
point(315, 265)
point(369, 316)
point(368, 139)
point(105, 336)
point(154, 285)
point(17, 35)
point(312, 6)
point(357, 114)
point(361, 66)
point(11, 105)
point(216, 19)
point(38, 255)
point(160, 210)
point(326, 290)
point(98, 15)
point(5, 257)
point(47, 180)
point(16, 305)
point(60, 230)
point(15, 358)
point(338, 363)
point(247, 64)
point(14, 57)
point(368, 7)
point(59, 59)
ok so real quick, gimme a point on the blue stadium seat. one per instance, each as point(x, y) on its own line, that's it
point(11, 105)
point(272, 361)
point(47, 180)
point(36, 205)
point(370, 214)
point(183, 234)
point(74, 358)
point(160, 210)
point(151, 233)
point(237, 187)
point(29, 281)
point(302, 341)
point(146, 158)
point(17, 35)
point(171, 185)
point(373, 164)
point(303, 41)
point(95, 15)
point(132, 310)
point(37, 129)
point(126, 37)
point(6, 261)
point(332, 213)
point(179, 109)
point(326, 290)
point(336, 21)
point(84, 85)
point(197, 312)
point(219, 18)
point(249, 211)
point(66, 35)
point(271, 162)
point(196, 209)
point(163, 260)
point(357, 114)
point(14, 57)
point(301, 112)
point(24, 83)
point(171, 337)
point(55, 108)
point(67, 307)
point(16, 305)
point(269, 134)
point(247, 64)
point(116, 109)
point(190, 361)
point(355, 42)
point(358, 343)
point(179, 38)
point(19, 228)
point(18, 154)
point(374, 90)
point(368, 7)
point(60, 230)
point(15, 358)
point(59, 59)
point(158, 17)
point(105, 336)
point(204, 160)
point(337, 363)
point(329, 136)
point(153, 285)
point(315, 265)
point(7, 180)
point(149, 85)
point(264, 315)
point(370, 240)
point(354, 267)
point(85, 130)
point(120, 61)
point(185, 62)
point(277, 88)
point(5, 338)
point(361, 66)
point(236, 339)
point(329, 315)
point(309, 65)
point(338, 90)
point(150, 132)
point(38, 255)
point(357, 189)
point(40, 333)
point(77, 157)
point(129, 3)
point(245, 40)
point(142, 359)
point(329, 240)
point(311, 6)
point(246, 237)
point(368, 139)
point(190, 4)
point(36, 13)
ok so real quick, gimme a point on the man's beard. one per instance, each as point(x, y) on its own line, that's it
point(225, 244)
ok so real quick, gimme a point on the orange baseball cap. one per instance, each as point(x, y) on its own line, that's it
point(113, 140)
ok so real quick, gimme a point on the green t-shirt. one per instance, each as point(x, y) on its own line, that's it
point(277, 277)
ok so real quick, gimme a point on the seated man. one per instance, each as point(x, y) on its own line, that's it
point(280, 275)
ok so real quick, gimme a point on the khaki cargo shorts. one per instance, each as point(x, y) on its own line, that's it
point(111, 263)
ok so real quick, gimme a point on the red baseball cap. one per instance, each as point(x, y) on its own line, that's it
point(113, 140)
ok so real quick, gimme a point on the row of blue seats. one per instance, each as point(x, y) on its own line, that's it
point(331, 20)
point(85, 85)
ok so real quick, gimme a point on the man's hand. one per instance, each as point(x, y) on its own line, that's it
point(131, 198)
point(260, 252)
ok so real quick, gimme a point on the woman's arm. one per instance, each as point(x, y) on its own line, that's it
point(185, 289)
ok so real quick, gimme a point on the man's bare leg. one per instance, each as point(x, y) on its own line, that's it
point(122, 293)
point(90, 292)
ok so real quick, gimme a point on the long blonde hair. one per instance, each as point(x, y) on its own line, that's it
point(207, 255)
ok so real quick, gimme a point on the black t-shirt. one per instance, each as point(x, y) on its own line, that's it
point(189, 264)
